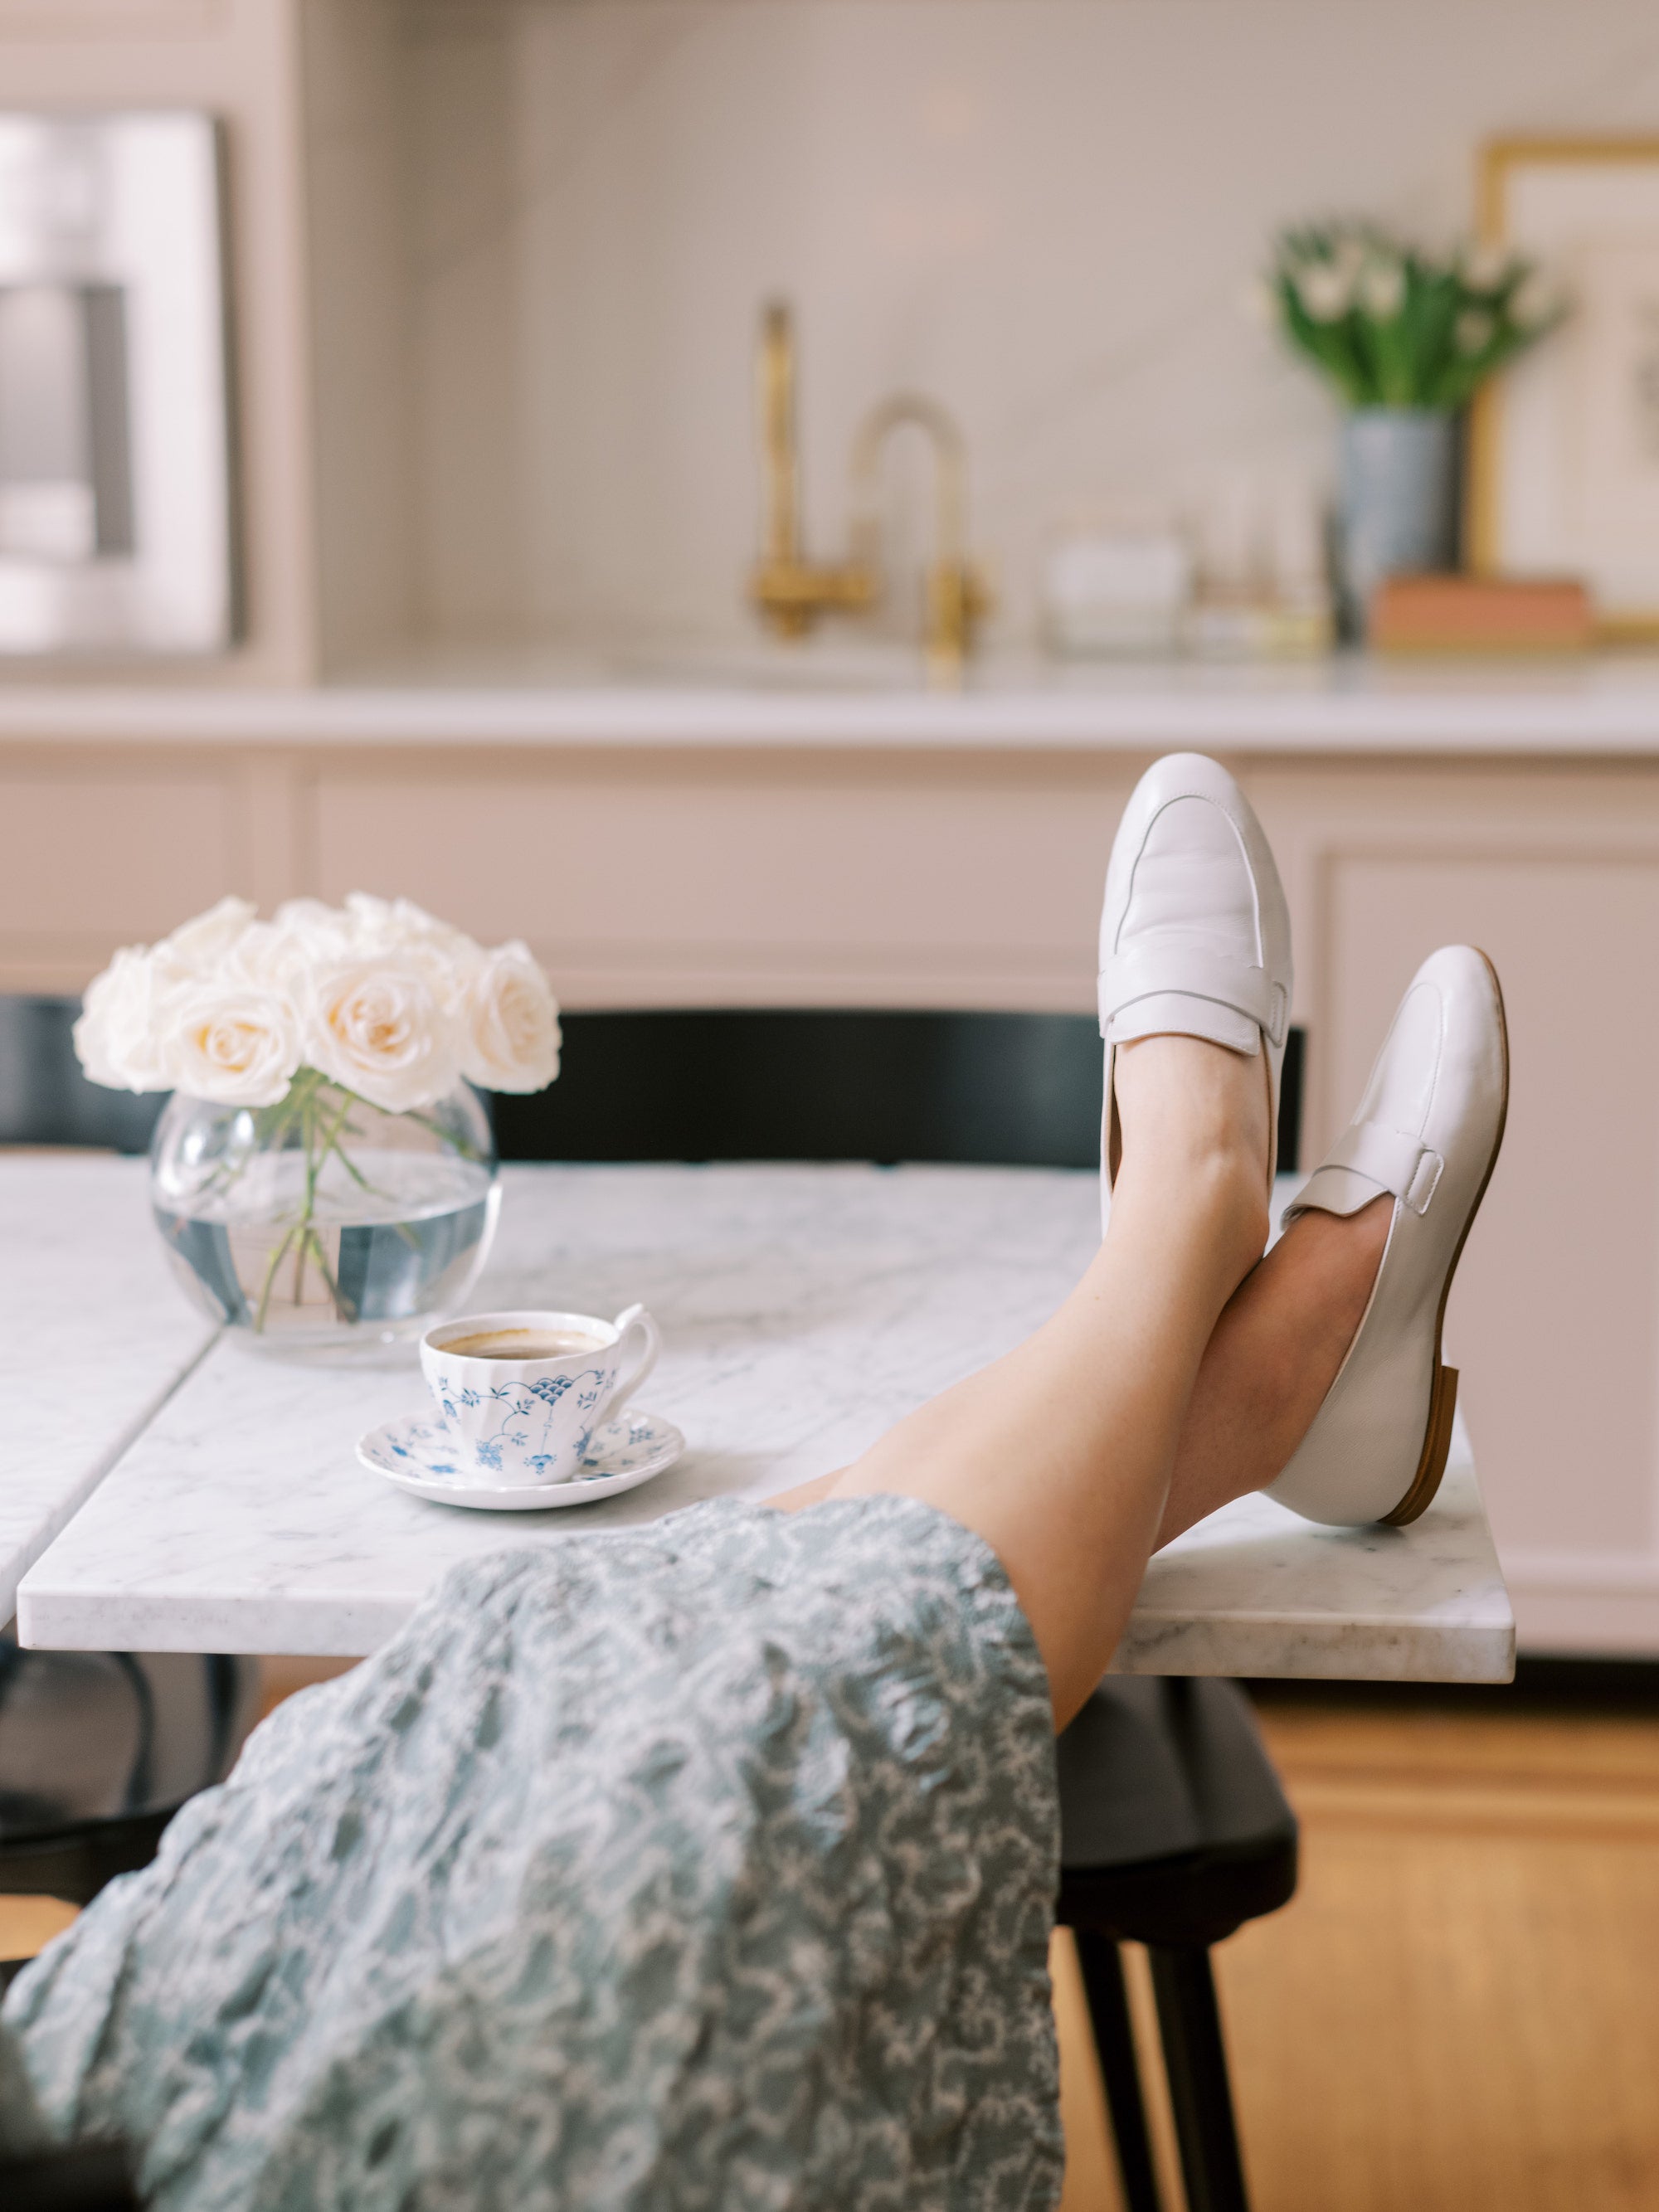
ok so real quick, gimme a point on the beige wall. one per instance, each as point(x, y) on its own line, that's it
point(1047, 212)
point(498, 263)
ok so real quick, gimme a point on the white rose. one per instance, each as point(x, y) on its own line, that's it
point(378, 1026)
point(395, 924)
point(121, 1038)
point(270, 959)
point(197, 947)
point(315, 931)
point(509, 1023)
point(233, 1043)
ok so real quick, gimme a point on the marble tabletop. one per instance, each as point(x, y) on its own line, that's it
point(93, 1338)
point(803, 1310)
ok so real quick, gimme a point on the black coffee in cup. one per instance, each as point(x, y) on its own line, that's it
point(521, 1344)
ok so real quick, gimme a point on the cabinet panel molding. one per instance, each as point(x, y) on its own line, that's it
point(893, 889)
point(1554, 1317)
point(102, 858)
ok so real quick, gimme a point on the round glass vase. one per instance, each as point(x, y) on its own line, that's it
point(324, 1223)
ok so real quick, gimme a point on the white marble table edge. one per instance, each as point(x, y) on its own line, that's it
point(1375, 1647)
point(28, 1553)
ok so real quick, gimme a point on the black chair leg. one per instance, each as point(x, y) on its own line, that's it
point(1108, 2011)
point(1195, 2060)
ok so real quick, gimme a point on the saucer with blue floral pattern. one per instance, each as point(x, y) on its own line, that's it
point(418, 1453)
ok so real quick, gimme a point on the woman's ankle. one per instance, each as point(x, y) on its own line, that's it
point(1184, 1103)
point(1195, 1138)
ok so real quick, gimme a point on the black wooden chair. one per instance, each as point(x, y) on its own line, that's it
point(1174, 1832)
point(91, 2177)
point(99, 1750)
point(1174, 1828)
point(44, 1097)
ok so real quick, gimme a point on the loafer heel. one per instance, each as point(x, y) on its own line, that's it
point(1436, 1445)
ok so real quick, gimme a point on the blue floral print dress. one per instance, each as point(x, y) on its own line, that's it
point(704, 1867)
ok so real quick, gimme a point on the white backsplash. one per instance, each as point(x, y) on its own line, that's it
point(1046, 212)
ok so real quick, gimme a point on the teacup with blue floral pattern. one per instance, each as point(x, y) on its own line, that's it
point(531, 1420)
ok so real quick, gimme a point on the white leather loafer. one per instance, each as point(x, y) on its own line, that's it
point(1427, 1131)
point(1194, 933)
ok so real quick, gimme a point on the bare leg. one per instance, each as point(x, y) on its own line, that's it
point(1275, 1352)
point(1061, 1454)
point(1273, 1356)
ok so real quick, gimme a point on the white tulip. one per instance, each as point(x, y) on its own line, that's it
point(377, 1025)
point(1326, 292)
point(1382, 289)
point(509, 1023)
point(121, 1038)
point(233, 1043)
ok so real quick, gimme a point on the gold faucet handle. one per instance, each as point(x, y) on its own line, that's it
point(959, 598)
point(792, 594)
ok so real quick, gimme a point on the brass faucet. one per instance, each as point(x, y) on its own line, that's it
point(791, 592)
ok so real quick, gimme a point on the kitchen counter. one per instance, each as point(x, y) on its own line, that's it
point(771, 697)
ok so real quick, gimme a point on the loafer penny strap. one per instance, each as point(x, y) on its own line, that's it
point(1388, 1158)
point(1153, 970)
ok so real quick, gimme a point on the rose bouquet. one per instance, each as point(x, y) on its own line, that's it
point(320, 1063)
point(376, 997)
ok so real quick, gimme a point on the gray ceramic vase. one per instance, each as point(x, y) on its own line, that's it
point(1397, 511)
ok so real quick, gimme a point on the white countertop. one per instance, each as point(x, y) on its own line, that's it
point(93, 1338)
point(803, 1310)
point(829, 696)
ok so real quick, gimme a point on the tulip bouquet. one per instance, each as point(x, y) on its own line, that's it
point(1390, 325)
point(296, 1049)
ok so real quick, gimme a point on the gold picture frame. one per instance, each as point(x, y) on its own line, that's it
point(1563, 454)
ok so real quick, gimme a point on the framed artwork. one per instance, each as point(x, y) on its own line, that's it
point(1563, 447)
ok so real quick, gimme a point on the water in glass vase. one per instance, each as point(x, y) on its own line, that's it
point(333, 1227)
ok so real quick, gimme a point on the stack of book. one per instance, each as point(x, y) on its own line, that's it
point(1479, 614)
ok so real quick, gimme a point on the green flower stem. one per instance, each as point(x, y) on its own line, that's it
point(270, 1282)
point(319, 1112)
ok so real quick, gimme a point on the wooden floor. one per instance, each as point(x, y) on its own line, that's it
point(1460, 2008)
point(1459, 2011)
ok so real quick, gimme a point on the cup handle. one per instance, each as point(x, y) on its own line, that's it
point(635, 1320)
